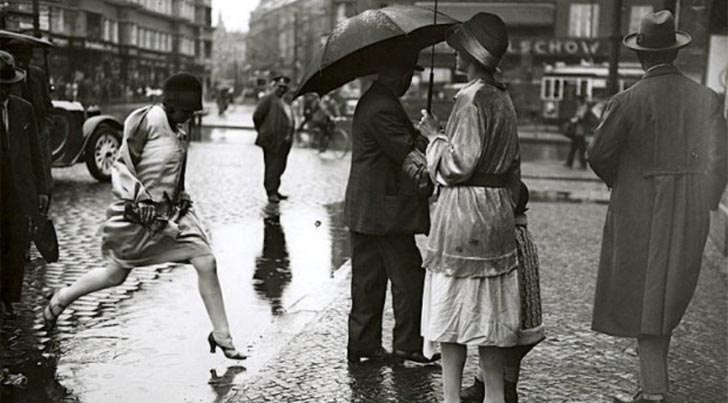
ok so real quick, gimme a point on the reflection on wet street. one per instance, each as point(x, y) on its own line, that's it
point(145, 341)
point(272, 267)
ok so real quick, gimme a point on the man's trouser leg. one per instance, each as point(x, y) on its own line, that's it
point(581, 150)
point(368, 289)
point(275, 164)
point(403, 263)
point(282, 161)
point(12, 257)
point(572, 153)
point(653, 364)
point(272, 178)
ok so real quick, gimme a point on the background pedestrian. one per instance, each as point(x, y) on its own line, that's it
point(273, 119)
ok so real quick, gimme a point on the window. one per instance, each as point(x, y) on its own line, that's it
point(551, 88)
point(94, 27)
point(111, 31)
point(584, 20)
point(636, 15)
point(131, 34)
point(57, 20)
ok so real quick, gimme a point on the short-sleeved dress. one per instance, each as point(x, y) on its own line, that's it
point(149, 166)
point(471, 293)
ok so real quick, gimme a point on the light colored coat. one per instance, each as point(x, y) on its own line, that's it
point(661, 147)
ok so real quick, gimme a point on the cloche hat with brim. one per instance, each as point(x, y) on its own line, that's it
point(484, 37)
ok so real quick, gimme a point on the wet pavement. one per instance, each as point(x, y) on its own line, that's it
point(287, 299)
point(146, 339)
point(573, 364)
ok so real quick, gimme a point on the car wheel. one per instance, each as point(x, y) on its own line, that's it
point(101, 151)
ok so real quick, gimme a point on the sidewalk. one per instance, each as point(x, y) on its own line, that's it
point(574, 364)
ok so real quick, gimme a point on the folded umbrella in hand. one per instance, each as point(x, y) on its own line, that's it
point(46, 240)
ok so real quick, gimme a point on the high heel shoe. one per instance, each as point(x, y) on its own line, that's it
point(50, 315)
point(226, 346)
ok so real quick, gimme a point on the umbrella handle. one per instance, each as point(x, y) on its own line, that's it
point(432, 67)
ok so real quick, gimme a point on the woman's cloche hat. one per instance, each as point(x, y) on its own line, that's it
point(484, 37)
point(657, 33)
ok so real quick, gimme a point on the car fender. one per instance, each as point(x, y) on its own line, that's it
point(91, 124)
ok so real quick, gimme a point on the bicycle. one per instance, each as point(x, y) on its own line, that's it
point(338, 140)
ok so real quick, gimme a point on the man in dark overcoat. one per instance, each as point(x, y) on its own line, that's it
point(274, 121)
point(383, 217)
point(35, 90)
point(661, 148)
point(23, 191)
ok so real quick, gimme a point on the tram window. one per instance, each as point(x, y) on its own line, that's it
point(547, 88)
point(583, 88)
point(558, 84)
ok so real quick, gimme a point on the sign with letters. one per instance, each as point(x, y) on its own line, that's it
point(583, 47)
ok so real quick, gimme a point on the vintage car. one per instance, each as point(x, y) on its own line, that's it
point(79, 134)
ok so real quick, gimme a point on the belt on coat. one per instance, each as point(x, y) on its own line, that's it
point(485, 180)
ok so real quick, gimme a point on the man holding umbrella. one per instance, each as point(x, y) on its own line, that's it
point(386, 196)
point(383, 218)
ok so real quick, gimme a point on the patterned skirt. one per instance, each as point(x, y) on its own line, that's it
point(531, 330)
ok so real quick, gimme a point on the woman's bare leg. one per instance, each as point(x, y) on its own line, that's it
point(97, 279)
point(211, 293)
point(492, 360)
point(453, 361)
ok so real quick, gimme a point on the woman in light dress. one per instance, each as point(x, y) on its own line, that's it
point(471, 295)
point(151, 219)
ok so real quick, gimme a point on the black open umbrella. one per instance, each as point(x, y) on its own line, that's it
point(354, 48)
point(8, 35)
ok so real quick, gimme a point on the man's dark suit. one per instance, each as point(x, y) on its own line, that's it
point(35, 90)
point(380, 209)
point(22, 180)
point(275, 136)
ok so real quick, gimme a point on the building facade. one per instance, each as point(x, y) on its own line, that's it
point(115, 50)
point(559, 49)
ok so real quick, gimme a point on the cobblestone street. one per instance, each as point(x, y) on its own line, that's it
point(572, 365)
point(144, 341)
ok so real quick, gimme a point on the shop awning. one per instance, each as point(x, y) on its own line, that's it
point(514, 14)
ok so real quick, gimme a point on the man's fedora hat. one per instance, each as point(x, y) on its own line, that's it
point(657, 33)
point(8, 73)
point(484, 37)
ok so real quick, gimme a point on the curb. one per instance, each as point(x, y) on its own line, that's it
point(563, 196)
point(227, 127)
point(298, 315)
point(561, 178)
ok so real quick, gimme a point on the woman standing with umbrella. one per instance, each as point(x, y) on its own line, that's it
point(471, 288)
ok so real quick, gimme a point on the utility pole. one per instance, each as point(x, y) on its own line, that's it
point(615, 43)
point(36, 18)
point(295, 47)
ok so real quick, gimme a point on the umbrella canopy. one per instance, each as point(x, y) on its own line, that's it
point(354, 48)
point(8, 35)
